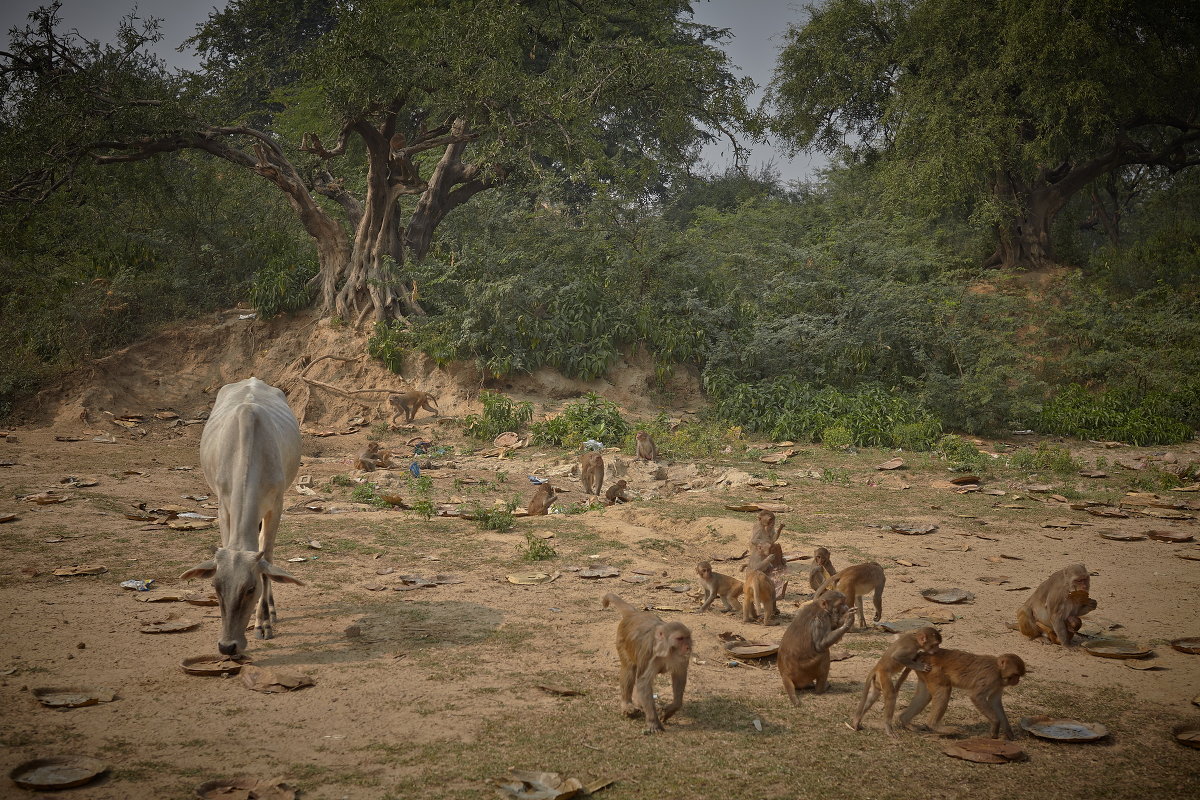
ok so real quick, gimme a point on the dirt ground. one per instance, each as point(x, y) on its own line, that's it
point(433, 692)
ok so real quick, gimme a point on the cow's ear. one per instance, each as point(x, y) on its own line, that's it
point(205, 569)
point(277, 574)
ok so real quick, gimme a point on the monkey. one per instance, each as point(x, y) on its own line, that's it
point(856, 581)
point(647, 646)
point(372, 458)
point(410, 403)
point(645, 447)
point(901, 655)
point(543, 497)
point(758, 593)
point(1050, 605)
point(764, 528)
point(804, 649)
point(1079, 604)
point(718, 585)
point(616, 493)
point(764, 544)
point(821, 567)
point(984, 677)
point(591, 472)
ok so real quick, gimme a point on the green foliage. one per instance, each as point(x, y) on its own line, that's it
point(341, 480)
point(1044, 457)
point(283, 285)
point(1154, 480)
point(495, 518)
point(917, 435)
point(536, 549)
point(1122, 415)
point(590, 417)
point(962, 455)
point(691, 440)
point(837, 437)
point(500, 415)
point(836, 475)
point(582, 507)
point(369, 493)
point(421, 501)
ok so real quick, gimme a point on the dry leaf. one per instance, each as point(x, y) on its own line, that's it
point(273, 681)
point(81, 569)
point(895, 463)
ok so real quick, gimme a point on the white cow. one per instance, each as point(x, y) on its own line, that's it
point(250, 452)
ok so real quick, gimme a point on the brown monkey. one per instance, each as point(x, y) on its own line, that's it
point(900, 656)
point(616, 493)
point(543, 497)
point(1079, 604)
point(804, 649)
point(766, 558)
point(764, 528)
point(758, 593)
point(591, 472)
point(984, 677)
point(1050, 605)
point(373, 458)
point(718, 585)
point(856, 581)
point(410, 403)
point(822, 567)
point(645, 447)
point(647, 647)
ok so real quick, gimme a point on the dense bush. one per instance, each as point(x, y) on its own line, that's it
point(500, 415)
point(1121, 415)
point(590, 417)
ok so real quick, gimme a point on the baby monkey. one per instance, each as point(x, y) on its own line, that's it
point(718, 585)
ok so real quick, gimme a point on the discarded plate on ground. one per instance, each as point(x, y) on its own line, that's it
point(8, 517)
point(952, 595)
point(508, 439)
point(895, 463)
point(1117, 536)
point(1144, 666)
point(776, 458)
point(530, 578)
point(1190, 555)
point(201, 598)
point(751, 649)
point(73, 697)
point(1196, 700)
point(170, 626)
point(56, 772)
point(902, 625)
point(273, 681)
point(1063, 730)
point(81, 569)
point(522, 784)
point(599, 571)
point(1116, 648)
point(985, 751)
point(1178, 537)
point(963, 480)
point(211, 665)
point(1189, 645)
point(256, 788)
point(160, 598)
point(1187, 734)
point(910, 530)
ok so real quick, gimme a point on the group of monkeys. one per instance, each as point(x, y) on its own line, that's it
point(648, 646)
point(591, 475)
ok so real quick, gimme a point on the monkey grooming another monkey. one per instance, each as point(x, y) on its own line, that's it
point(543, 497)
point(1051, 605)
point(410, 403)
point(645, 447)
point(804, 649)
point(718, 585)
point(647, 646)
point(900, 656)
point(373, 458)
point(822, 568)
point(758, 597)
point(856, 581)
point(764, 544)
point(591, 472)
point(983, 677)
point(616, 493)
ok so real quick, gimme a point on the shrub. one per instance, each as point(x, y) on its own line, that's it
point(1123, 415)
point(916, 435)
point(500, 415)
point(283, 285)
point(369, 493)
point(495, 518)
point(590, 417)
point(837, 437)
point(1045, 457)
point(536, 549)
point(962, 455)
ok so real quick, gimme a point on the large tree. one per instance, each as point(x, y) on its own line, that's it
point(1013, 106)
point(378, 118)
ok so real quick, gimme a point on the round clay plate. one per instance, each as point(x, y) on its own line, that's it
point(198, 599)
point(1170, 536)
point(1116, 648)
point(1124, 537)
point(1187, 735)
point(1064, 730)
point(173, 626)
point(72, 697)
point(752, 650)
point(508, 439)
point(947, 595)
point(56, 772)
point(1189, 645)
point(210, 665)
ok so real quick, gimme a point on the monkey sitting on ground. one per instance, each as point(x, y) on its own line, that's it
point(718, 585)
point(410, 403)
point(645, 447)
point(900, 656)
point(983, 677)
point(647, 646)
point(591, 472)
point(616, 493)
point(543, 497)
point(856, 581)
point(758, 597)
point(804, 649)
point(764, 544)
point(821, 569)
point(373, 458)
point(1050, 608)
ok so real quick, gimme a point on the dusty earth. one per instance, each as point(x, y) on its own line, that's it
point(434, 692)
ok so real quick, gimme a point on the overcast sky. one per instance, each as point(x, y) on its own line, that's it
point(757, 27)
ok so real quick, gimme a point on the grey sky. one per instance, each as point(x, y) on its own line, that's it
point(757, 27)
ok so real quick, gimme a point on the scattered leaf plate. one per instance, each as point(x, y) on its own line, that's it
point(257, 788)
point(1116, 648)
point(210, 665)
point(1187, 735)
point(1191, 644)
point(56, 772)
point(1063, 730)
point(1177, 537)
point(73, 697)
point(751, 649)
point(529, 578)
point(171, 626)
point(1117, 536)
point(985, 751)
point(952, 595)
point(902, 625)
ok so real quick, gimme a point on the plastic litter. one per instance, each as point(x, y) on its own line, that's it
point(592, 444)
point(138, 586)
point(415, 469)
point(536, 481)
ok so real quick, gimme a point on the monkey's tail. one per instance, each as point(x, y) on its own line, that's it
point(616, 602)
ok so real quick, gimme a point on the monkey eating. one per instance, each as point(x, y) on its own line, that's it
point(616, 493)
point(591, 472)
point(647, 647)
point(645, 447)
point(804, 650)
point(1056, 605)
point(856, 581)
point(543, 497)
point(983, 677)
point(410, 403)
point(718, 585)
point(900, 656)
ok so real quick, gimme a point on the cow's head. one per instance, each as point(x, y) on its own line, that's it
point(238, 577)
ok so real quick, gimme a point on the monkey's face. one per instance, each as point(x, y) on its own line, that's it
point(929, 640)
point(1012, 668)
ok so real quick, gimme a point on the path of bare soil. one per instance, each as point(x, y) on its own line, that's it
point(433, 692)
